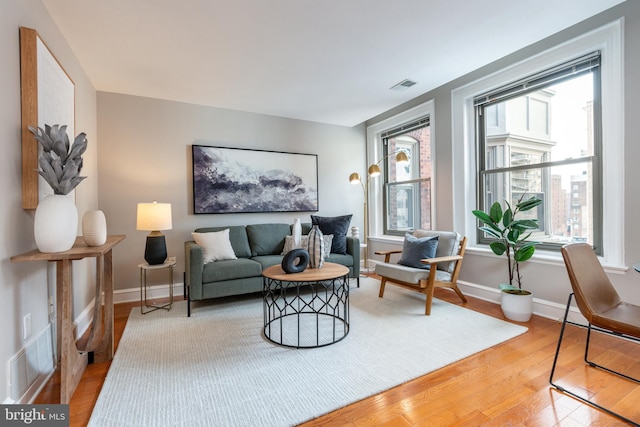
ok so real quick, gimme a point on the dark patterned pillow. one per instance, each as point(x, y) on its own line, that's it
point(338, 226)
point(416, 248)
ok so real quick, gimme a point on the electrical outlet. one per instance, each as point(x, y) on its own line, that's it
point(26, 330)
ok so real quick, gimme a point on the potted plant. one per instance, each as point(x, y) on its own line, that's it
point(56, 216)
point(511, 236)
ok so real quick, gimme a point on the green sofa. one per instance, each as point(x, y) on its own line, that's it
point(257, 247)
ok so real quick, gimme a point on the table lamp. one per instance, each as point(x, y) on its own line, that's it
point(154, 217)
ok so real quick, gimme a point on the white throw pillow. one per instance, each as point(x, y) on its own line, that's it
point(304, 242)
point(216, 245)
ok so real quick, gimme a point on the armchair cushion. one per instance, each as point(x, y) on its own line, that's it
point(448, 243)
point(415, 249)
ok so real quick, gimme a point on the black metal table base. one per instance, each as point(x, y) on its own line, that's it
point(306, 314)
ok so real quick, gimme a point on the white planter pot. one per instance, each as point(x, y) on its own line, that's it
point(516, 307)
point(94, 228)
point(56, 223)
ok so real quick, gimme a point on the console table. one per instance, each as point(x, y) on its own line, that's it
point(70, 360)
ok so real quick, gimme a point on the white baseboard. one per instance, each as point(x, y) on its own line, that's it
point(153, 292)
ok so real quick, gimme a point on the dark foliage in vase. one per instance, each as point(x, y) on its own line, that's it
point(60, 165)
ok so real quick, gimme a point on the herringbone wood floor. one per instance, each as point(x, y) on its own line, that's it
point(506, 385)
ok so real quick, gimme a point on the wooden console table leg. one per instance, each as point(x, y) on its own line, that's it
point(103, 350)
point(96, 335)
point(72, 362)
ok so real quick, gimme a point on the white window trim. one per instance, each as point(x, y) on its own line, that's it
point(375, 152)
point(608, 39)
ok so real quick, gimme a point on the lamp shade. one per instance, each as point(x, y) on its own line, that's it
point(354, 178)
point(402, 158)
point(154, 216)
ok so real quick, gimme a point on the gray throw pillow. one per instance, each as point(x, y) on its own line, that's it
point(338, 226)
point(415, 249)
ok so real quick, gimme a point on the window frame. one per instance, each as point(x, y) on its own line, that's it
point(608, 39)
point(545, 165)
point(414, 182)
point(375, 152)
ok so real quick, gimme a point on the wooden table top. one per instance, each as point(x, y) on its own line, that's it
point(328, 271)
point(79, 250)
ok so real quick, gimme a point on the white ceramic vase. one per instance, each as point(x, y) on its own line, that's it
point(297, 233)
point(516, 307)
point(94, 228)
point(55, 223)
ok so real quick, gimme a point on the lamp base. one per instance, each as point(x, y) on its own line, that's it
point(155, 252)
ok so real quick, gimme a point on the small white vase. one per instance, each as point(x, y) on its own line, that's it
point(516, 307)
point(94, 228)
point(56, 223)
point(297, 233)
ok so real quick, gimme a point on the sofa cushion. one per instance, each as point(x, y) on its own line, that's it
point(338, 226)
point(215, 245)
point(448, 243)
point(415, 249)
point(267, 261)
point(237, 237)
point(230, 269)
point(267, 239)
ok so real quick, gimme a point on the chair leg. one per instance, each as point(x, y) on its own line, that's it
point(427, 308)
point(459, 292)
point(382, 283)
point(572, 394)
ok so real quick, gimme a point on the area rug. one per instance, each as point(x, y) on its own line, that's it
point(217, 369)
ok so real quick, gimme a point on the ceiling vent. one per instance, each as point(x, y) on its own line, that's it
point(403, 85)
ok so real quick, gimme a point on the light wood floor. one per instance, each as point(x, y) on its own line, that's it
point(506, 385)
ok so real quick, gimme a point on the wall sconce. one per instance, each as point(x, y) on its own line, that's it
point(154, 217)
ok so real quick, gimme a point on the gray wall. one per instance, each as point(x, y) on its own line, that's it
point(145, 155)
point(24, 286)
point(547, 278)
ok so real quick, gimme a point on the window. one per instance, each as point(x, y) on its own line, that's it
point(541, 136)
point(407, 187)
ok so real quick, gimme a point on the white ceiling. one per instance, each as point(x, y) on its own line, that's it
point(329, 61)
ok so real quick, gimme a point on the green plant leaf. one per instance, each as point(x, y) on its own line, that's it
point(492, 230)
point(529, 204)
point(482, 216)
point(498, 247)
point(507, 218)
point(524, 253)
point(496, 212)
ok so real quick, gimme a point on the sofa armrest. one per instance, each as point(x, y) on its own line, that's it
point(353, 249)
point(194, 265)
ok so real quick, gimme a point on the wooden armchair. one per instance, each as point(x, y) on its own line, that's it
point(443, 272)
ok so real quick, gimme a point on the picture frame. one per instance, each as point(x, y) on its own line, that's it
point(241, 180)
point(48, 97)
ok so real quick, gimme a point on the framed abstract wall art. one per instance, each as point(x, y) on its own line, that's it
point(48, 97)
point(234, 180)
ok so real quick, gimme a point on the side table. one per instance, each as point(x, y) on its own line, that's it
point(169, 264)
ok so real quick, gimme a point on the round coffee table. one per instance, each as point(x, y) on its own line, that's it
point(308, 309)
